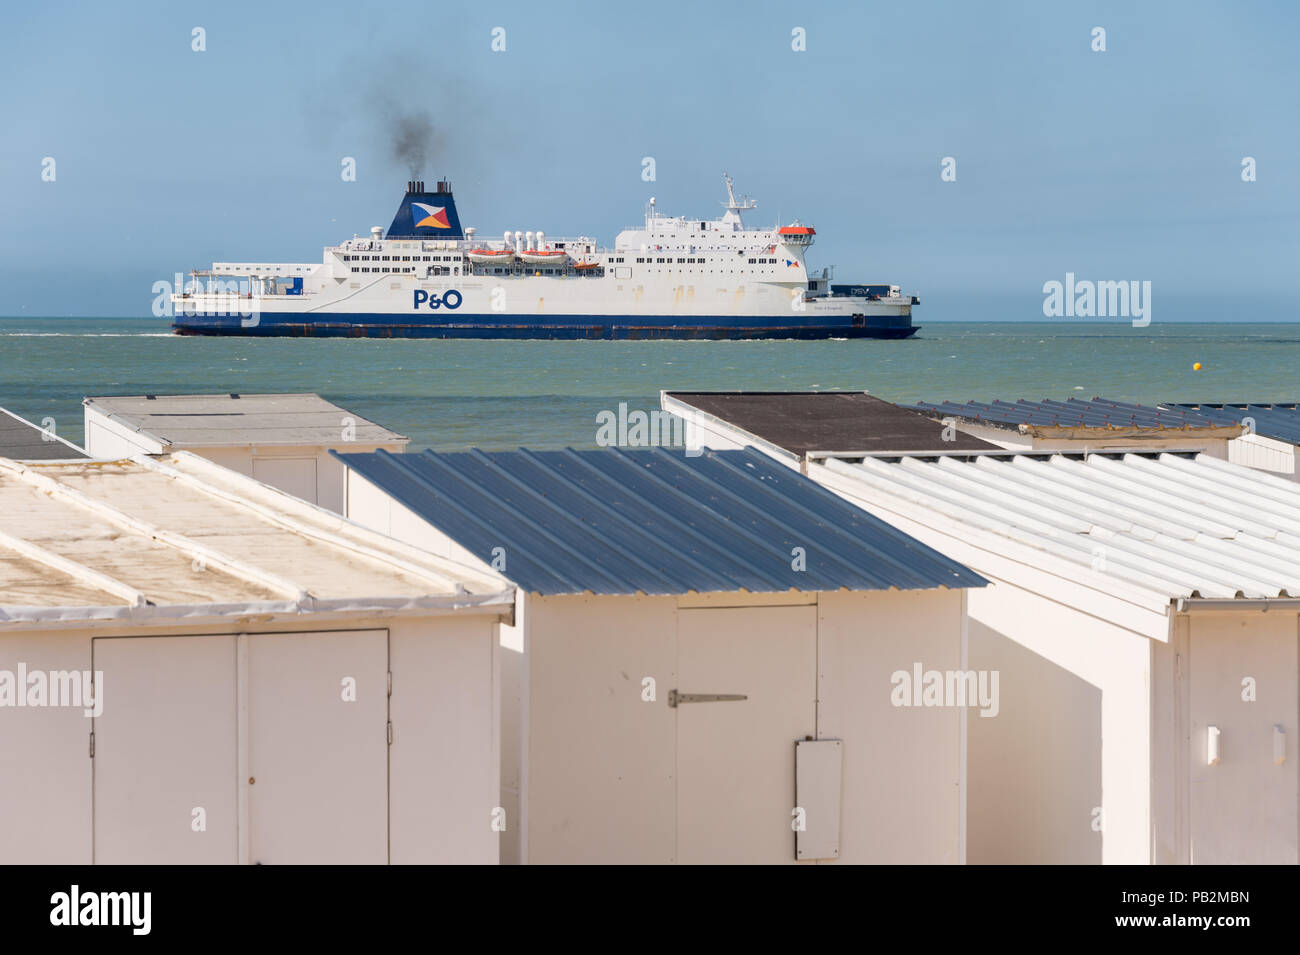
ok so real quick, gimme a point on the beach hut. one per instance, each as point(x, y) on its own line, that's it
point(23, 440)
point(280, 439)
point(1270, 435)
point(706, 655)
point(196, 668)
point(1086, 424)
point(1143, 619)
point(790, 426)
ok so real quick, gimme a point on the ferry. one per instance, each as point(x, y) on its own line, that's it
point(670, 277)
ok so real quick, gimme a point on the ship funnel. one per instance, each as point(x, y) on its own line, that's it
point(426, 215)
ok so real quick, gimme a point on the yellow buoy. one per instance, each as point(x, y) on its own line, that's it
point(1196, 366)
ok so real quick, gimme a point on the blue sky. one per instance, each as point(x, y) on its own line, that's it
point(1117, 165)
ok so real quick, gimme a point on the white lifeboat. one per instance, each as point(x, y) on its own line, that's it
point(544, 257)
point(491, 256)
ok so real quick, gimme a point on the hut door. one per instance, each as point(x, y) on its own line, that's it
point(1243, 684)
point(735, 757)
point(255, 748)
point(165, 751)
point(317, 758)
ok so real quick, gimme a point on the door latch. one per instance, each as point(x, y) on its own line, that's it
point(674, 698)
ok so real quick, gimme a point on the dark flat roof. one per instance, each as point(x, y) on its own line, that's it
point(803, 421)
point(20, 440)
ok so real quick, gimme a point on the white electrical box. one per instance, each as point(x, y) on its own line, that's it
point(818, 771)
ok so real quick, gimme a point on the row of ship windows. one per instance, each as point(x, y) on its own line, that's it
point(404, 269)
point(443, 270)
point(433, 259)
point(669, 261)
point(401, 258)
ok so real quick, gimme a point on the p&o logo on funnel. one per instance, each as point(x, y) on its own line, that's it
point(435, 217)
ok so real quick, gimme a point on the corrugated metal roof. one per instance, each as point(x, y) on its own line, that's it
point(181, 536)
point(1072, 413)
point(1271, 420)
point(1182, 525)
point(24, 441)
point(181, 421)
point(655, 521)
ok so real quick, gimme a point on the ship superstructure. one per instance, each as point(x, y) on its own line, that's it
point(670, 277)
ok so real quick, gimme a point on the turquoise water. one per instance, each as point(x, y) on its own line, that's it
point(503, 394)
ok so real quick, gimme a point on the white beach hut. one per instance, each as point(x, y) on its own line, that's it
point(1270, 433)
point(280, 439)
point(705, 656)
point(196, 668)
point(1144, 620)
point(1087, 424)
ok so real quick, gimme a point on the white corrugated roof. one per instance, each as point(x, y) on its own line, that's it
point(179, 537)
point(180, 421)
point(1177, 525)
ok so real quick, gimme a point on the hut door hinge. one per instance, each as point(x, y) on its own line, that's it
point(675, 698)
point(92, 745)
point(390, 732)
point(390, 682)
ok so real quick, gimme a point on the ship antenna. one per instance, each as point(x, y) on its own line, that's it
point(734, 206)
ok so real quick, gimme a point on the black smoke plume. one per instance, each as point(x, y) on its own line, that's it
point(414, 140)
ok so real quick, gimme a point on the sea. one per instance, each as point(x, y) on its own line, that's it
point(452, 395)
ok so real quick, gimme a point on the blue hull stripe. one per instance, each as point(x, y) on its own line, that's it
point(369, 325)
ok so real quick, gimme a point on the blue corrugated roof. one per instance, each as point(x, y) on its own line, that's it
point(1271, 420)
point(1074, 413)
point(616, 521)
